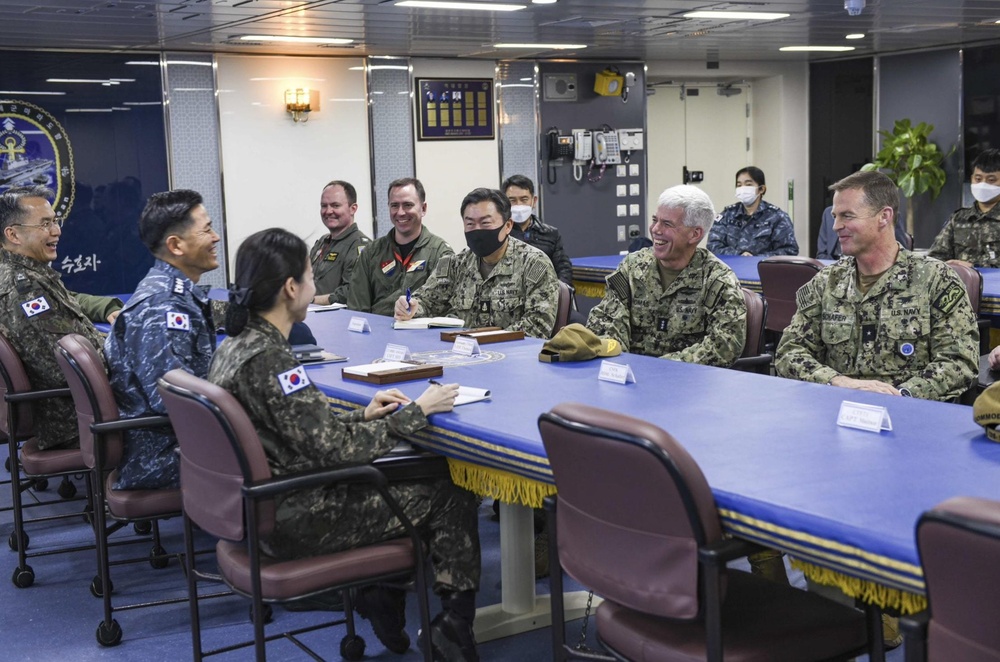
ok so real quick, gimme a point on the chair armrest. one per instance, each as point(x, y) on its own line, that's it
point(363, 473)
point(725, 550)
point(412, 464)
point(748, 363)
point(29, 396)
point(130, 424)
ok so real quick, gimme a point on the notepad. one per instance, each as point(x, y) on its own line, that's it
point(428, 322)
point(467, 394)
point(316, 308)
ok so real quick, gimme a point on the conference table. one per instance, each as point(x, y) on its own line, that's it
point(842, 502)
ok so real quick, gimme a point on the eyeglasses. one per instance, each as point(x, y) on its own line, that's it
point(45, 225)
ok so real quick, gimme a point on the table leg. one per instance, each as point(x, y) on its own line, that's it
point(519, 610)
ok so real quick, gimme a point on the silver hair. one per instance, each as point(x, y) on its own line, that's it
point(697, 206)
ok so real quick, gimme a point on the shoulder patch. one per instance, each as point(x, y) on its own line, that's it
point(35, 307)
point(293, 380)
point(179, 321)
point(534, 271)
point(618, 282)
point(948, 299)
point(361, 247)
point(809, 295)
point(178, 286)
point(714, 292)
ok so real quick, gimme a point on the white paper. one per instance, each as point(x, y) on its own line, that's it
point(359, 325)
point(619, 373)
point(395, 352)
point(316, 308)
point(428, 322)
point(466, 346)
point(384, 366)
point(863, 417)
point(467, 394)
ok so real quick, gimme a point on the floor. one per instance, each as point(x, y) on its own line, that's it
point(56, 618)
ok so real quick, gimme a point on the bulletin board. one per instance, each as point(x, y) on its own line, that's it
point(455, 109)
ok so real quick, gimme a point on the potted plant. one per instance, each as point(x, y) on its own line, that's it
point(912, 161)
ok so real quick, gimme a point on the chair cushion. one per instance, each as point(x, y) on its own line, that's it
point(38, 462)
point(283, 580)
point(137, 504)
point(761, 620)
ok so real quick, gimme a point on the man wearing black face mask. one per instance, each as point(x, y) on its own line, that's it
point(498, 281)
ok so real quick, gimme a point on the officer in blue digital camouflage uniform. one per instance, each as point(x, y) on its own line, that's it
point(166, 324)
point(36, 310)
point(752, 226)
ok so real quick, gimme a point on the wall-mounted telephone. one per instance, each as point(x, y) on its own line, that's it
point(606, 149)
point(560, 146)
point(582, 145)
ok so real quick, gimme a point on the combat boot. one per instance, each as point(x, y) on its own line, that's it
point(385, 609)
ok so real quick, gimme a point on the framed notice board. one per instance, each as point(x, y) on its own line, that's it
point(455, 109)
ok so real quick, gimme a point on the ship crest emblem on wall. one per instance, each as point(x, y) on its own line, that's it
point(35, 150)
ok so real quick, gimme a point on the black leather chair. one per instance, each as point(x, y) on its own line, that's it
point(754, 358)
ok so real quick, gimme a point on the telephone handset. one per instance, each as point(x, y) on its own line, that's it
point(583, 144)
point(560, 146)
point(606, 148)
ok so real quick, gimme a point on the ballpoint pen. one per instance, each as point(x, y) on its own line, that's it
point(407, 299)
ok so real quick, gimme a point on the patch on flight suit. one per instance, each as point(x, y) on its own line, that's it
point(178, 321)
point(809, 295)
point(331, 257)
point(293, 380)
point(949, 298)
point(534, 272)
point(178, 286)
point(419, 265)
point(35, 307)
point(361, 248)
point(618, 282)
point(389, 267)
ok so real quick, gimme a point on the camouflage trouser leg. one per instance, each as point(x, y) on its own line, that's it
point(446, 516)
point(769, 564)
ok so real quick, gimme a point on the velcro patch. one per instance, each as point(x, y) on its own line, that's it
point(35, 306)
point(419, 265)
point(331, 257)
point(714, 292)
point(178, 286)
point(293, 380)
point(948, 299)
point(178, 321)
point(809, 295)
point(388, 268)
point(534, 272)
point(618, 283)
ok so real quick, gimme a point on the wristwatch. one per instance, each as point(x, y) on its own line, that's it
point(905, 392)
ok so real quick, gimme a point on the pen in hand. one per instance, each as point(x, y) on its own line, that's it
point(435, 382)
point(408, 309)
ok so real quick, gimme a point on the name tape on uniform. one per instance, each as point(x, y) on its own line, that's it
point(872, 418)
point(359, 325)
point(619, 373)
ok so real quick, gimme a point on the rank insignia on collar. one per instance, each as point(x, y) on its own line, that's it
point(293, 380)
point(35, 306)
point(179, 321)
point(178, 286)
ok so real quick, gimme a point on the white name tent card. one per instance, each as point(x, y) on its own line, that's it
point(317, 308)
point(466, 346)
point(619, 373)
point(359, 325)
point(395, 352)
point(863, 417)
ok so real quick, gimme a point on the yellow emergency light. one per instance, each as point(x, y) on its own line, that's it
point(608, 83)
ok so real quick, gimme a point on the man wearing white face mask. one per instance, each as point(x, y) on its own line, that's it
point(529, 228)
point(752, 226)
point(972, 235)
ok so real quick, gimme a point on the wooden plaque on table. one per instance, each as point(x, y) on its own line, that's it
point(418, 371)
point(484, 335)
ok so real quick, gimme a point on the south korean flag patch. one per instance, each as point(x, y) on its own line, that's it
point(293, 380)
point(178, 321)
point(35, 306)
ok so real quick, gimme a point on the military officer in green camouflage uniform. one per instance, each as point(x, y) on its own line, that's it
point(881, 319)
point(675, 300)
point(334, 255)
point(499, 281)
point(299, 432)
point(401, 260)
point(36, 310)
point(972, 235)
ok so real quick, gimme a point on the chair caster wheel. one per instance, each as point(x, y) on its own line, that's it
point(109, 636)
point(12, 541)
point(352, 648)
point(23, 577)
point(97, 589)
point(40, 484)
point(268, 614)
point(67, 490)
point(158, 558)
point(142, 528)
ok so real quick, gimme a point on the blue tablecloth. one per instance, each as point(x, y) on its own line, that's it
point(783, 473)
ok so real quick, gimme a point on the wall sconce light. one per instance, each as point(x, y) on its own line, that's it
point(300, 102)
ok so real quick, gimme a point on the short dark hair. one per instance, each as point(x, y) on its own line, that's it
point(349, 190)
point(520, 181)
point(409, 181)
point(988, 161)
point(166, 213)
point(755, 173)
point(488, 195)
point(878, 189)
point(11, 211)
point(264, 261)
